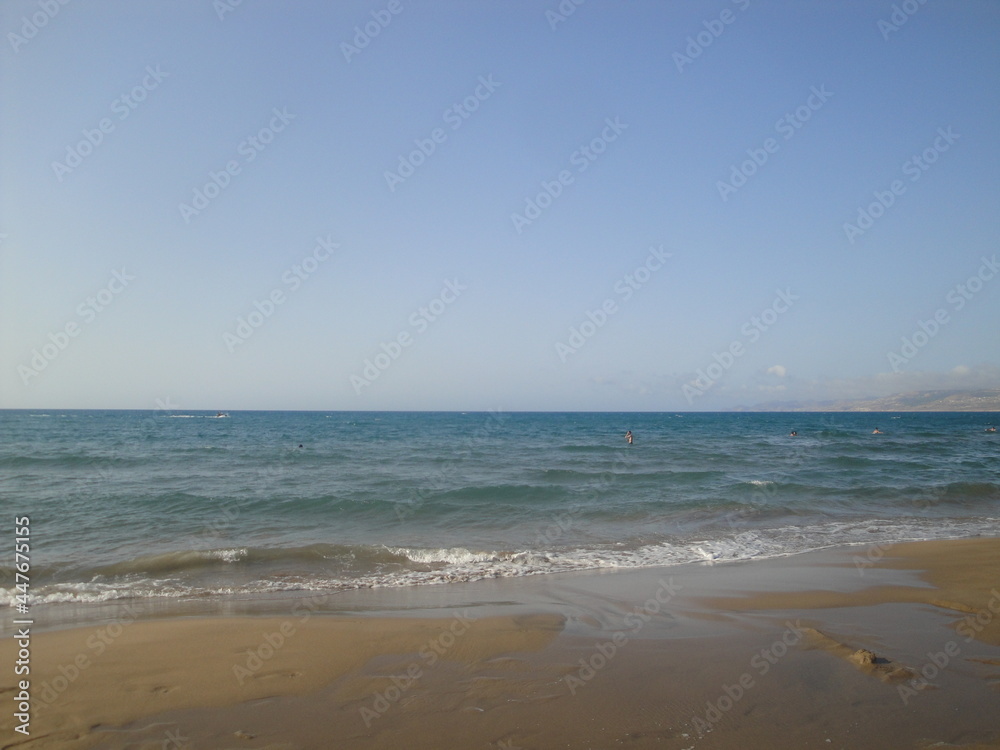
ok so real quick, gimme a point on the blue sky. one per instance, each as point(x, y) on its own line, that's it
point(632, 206)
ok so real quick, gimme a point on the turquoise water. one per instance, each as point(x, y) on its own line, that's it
point(183, 504)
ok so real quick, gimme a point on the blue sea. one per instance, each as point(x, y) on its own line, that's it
point(189, 505)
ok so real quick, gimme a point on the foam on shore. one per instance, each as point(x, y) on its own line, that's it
point(896, 647)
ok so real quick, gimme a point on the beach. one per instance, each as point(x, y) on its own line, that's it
point(492, 580)
point(500, 375)
point(852, 647)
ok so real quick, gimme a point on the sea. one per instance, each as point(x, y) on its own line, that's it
point(189, 505)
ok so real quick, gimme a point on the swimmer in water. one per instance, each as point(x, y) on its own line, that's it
point(876, 431)
point(793, 433)
point(991, 429)
point(628, 437)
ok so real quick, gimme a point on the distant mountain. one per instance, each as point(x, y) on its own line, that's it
point(984, 400)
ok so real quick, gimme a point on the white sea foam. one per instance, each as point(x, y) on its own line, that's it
point(460, 564)
point(229, 555)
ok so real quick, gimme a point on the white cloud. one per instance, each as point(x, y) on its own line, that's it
point(778, 370)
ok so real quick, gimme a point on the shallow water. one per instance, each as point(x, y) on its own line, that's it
point(182, 504)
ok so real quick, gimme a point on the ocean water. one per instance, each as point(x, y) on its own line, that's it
point(127, 504)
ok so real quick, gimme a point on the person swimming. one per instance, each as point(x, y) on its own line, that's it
point(793, 433)
point(628, 437)
point(991, 429)
point(876, 431)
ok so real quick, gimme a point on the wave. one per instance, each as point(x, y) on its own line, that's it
point(136, 505)
point(966, 491)
point(214, 560)
point(70, 460)
point(173, 562)
point(953, 494)
point(330, 567)
point(586, 448)
point(501, 493)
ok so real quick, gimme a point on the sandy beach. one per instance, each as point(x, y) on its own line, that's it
point(858, 647)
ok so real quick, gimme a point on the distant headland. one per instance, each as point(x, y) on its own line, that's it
point(977, 400)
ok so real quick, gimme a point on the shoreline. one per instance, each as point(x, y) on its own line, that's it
point(901, 644)
point(424, 598)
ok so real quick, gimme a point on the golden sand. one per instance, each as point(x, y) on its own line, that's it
point(865, 662)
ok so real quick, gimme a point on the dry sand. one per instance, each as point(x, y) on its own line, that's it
point(866, 647)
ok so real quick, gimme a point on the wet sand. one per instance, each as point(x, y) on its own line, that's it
point(861, 647)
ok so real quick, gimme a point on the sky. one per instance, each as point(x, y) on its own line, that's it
point(518, 205)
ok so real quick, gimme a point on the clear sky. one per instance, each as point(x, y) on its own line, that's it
point(518, 205)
